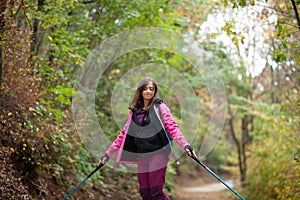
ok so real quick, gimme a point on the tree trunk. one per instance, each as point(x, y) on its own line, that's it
point(240, 148)
point(35, 29)
point(247, 126)
point(2, 28)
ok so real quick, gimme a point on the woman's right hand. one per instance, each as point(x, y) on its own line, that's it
point(104, 159)
point(190, 151)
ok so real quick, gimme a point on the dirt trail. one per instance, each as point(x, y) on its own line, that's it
point(214, 187)
point(204, 186)
point(212, 191)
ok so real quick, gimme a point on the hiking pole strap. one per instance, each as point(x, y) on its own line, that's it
point(217, 177)
point(84, 180)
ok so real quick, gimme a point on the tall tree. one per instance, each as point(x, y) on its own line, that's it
point(2, 29)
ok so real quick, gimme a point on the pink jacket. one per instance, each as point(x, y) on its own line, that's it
point(169, 124)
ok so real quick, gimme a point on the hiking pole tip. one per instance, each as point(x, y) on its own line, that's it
point(217, 177)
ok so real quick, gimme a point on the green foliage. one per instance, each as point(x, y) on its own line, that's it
point(169, 182)
point(238, 3)
point(273, 173)
point(73, 155)
point(84, 164)
point(236, 37)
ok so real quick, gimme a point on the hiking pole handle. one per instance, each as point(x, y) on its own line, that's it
point(84, 180)
point(217, 177)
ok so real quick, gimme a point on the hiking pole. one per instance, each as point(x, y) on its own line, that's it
point(75, 188)
point(217, 177)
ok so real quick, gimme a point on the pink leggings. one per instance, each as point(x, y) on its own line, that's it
point(151, 175)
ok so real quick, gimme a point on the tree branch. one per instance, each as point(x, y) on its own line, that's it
point(87, 2)
point(296, 12)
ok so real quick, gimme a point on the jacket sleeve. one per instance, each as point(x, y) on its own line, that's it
point(171, 126)
point(115, 146)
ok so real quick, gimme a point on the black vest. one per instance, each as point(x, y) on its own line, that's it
point(150, 138)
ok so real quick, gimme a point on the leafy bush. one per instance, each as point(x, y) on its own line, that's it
point(273, 172)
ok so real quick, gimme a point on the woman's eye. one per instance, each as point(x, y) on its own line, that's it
point(151, 89)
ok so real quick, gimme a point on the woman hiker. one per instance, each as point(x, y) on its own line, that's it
point(146, 138)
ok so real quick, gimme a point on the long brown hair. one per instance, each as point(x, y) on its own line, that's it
point(137, 102)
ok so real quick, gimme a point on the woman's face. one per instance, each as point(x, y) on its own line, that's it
point(148, 92)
